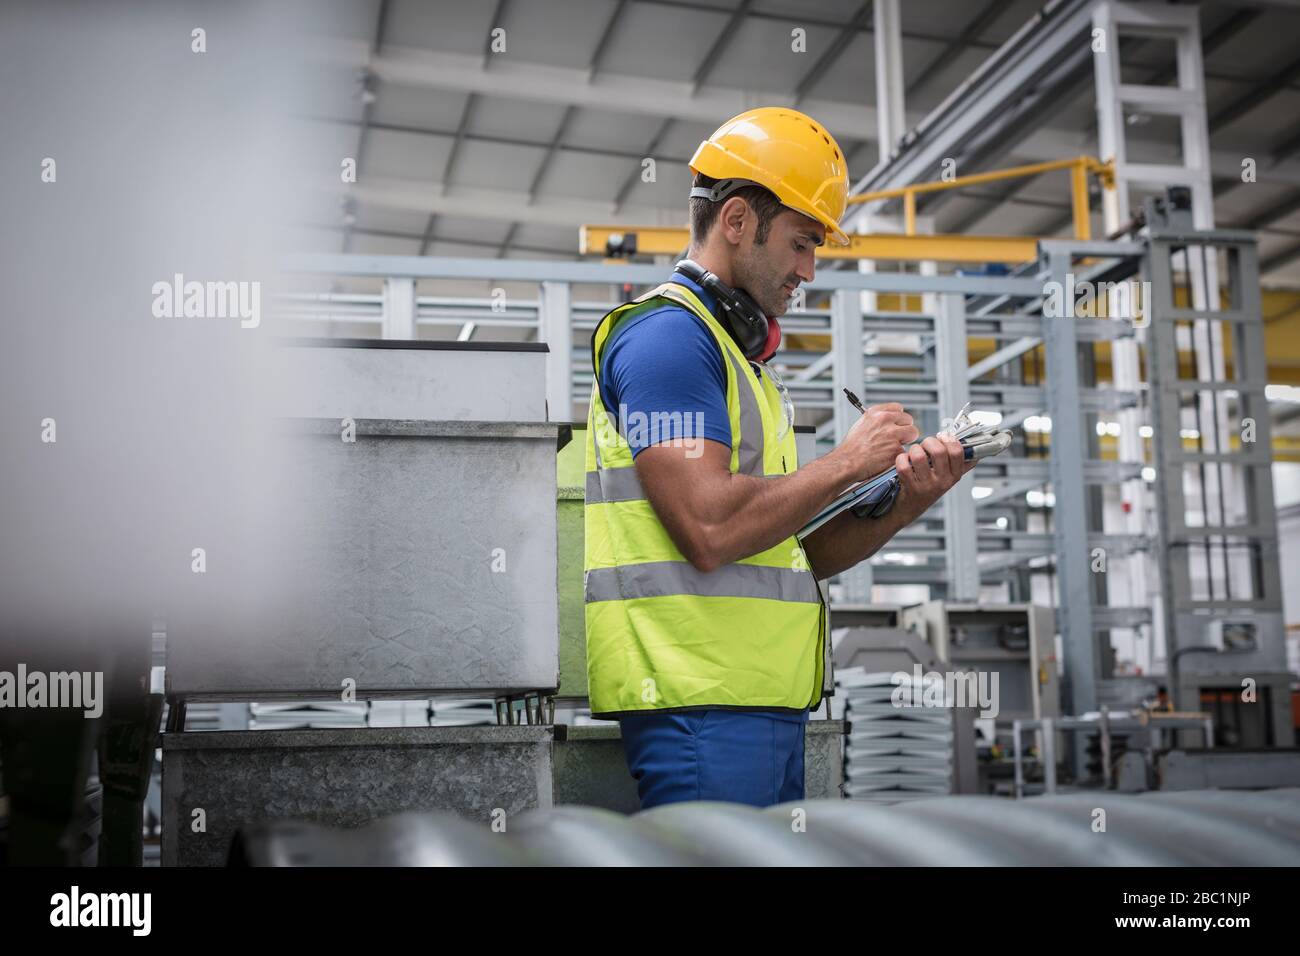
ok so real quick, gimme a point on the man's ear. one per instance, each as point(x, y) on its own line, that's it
point(735, 217)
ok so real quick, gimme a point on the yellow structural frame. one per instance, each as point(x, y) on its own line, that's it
point(671, 240)
point(908, 247)
point(1080, 167)
point(1281, 308)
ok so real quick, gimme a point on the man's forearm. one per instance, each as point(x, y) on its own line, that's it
point(847, 540)
point(926, 472)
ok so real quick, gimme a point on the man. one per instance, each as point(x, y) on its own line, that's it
point(706, 626)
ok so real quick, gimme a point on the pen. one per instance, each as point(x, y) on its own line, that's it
point(858, 405)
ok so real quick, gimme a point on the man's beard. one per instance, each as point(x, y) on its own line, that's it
point(769, 294)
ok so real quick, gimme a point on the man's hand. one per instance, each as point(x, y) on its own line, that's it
point(877, 438)
point(927, 471)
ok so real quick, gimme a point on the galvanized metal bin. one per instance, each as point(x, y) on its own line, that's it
point(591, 770)
point(419, 559)
point(571, 474)
point(405, 380)
point(215, 782)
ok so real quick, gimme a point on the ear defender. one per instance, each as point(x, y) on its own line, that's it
point(756, 334)
point(773, 340)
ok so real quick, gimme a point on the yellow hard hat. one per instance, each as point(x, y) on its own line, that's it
point(784, 150)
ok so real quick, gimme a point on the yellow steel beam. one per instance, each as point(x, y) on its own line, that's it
point(1079, 202)
point(1080, 167)
point(1281, 307)
point(1085, 164)
point(670, 241)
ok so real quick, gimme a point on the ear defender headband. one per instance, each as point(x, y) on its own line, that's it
point(756, 334)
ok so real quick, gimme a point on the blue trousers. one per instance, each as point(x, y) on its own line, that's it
point(732, 756)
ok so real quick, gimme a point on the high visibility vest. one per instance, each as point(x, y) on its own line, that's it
point(662, 635)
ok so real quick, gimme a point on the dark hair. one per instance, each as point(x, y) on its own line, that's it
point(704, 212)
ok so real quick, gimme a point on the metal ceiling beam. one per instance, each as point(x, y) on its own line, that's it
point(507, 205)
point(963, 42)
point(852, 153)
point(851, 143)
point(1288, 4)
point(466, 113)
point(1029, 64)
point(508, 240)
point(1255, 96)
point(975, 119)
point(551, 147)
point(646, 96)
point(1279, 259)
point(457, 240)
point(542, 167)
point(848, 33)
point(701, 73)
point(995, 150)
point(497, 139)
point(1289, 145)
point(1274, 212)
point(368, 100)
point(621, 196)
point(458, 138)
point(616, 92)
point(602, 45)
point(803, 18)
point(720, 43)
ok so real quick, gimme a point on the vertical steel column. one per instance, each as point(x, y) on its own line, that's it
point(890, 121)
point(399, 308)
point(1185, 101)
point(848, 370)
point(960, 546)
point(1069, 517)
point(556, 330)
point(1190, 615)
point(1166, 415)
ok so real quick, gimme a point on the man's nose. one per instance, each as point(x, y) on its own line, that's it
point(806, 271)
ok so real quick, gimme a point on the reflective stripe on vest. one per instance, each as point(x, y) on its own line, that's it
point(662, 634)
point(665, 578)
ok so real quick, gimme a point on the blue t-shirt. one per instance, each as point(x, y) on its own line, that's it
point(664, 370)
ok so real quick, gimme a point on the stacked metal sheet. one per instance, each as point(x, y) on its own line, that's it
point(303, 715)
point(468, 712)
point(399, 713)
point(203, 716)
point(895, 751)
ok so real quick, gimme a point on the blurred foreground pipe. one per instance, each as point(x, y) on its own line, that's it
point(1188, 828)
